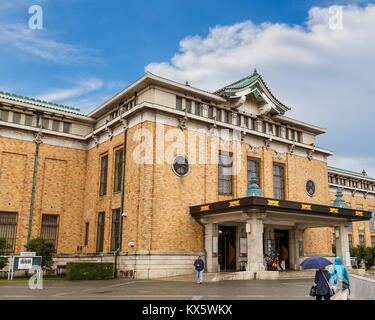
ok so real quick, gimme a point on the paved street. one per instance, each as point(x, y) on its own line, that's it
point(160, 290)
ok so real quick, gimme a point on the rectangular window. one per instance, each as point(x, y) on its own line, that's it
point(178, 103)
point(100, 232)
point(45, 123)
point(225, 173)
point(225, 116)
point(103, 175)
point(350, 239)
point(28, 120)
point(8, 229)
point(238, 120)
point(252, 166)
point(16, 117)
point(299, 136)
point(87, 228)
point(4, 115)
point(66, 127)
point(55, 125)
point(50, 228)
point(361, 238)
point(263, 126)
point(218, 115)
point(373, 241)
point(210, 112)
point(292, 135)
point(118, 170)
point(270, 128)
point(252, 124)
point(278, 182)
point(115, 232)
point(196, 111)
point(188, 106)
point(278, 131)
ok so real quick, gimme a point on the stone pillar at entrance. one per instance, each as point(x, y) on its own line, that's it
point(210, 232)
point(342, 245)
point(255, 246)
point(295, 236)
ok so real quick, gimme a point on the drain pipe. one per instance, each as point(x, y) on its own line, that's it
point(38, 141)
point(125, 125)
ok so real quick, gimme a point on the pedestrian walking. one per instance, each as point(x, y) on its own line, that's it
point(199, 267)
point(322, 284)
point(278, 261)
point(340, 280)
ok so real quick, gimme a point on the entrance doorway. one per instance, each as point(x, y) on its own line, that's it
point(282, 245)
point(227, 248)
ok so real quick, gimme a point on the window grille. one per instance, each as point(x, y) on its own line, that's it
point(8, 228)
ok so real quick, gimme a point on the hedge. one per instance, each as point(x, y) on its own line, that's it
point(89, 270)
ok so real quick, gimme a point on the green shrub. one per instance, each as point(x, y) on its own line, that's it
point(89, 270)
point(364, 254)
point(4, 246)
point(43, 248)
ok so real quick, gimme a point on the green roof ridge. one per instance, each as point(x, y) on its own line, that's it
point(41, 101)
point(350, 172)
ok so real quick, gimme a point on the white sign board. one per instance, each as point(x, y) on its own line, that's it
point(214, 246)
point(243, 247)
point(348, 263)
point(25, 263)
point(28, 254)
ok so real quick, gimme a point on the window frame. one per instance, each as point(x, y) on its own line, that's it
point(221, 179)
point(117, 174)
point(282, 188)
point(115, 232)
point(12, 228)
point(100, 230)
point(257, 161)
point(103, 179)
point(46, 224)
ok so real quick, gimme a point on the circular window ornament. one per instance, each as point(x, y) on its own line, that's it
point(310, 187)
point(181, 166)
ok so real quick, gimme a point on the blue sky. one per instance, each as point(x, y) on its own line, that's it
point(89, 50)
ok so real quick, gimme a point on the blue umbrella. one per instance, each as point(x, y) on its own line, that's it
point(315, 262)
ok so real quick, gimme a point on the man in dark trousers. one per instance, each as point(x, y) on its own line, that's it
point(199, 267)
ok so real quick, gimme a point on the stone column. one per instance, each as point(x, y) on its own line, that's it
point(295, 235)
point(342, 244)
point(210, 231)
point(255, 246)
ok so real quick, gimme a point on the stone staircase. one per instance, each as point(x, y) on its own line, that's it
point(266, 275)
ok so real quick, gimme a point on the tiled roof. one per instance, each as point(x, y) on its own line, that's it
point(240, 83)
point(338, 170)
point(41, 103)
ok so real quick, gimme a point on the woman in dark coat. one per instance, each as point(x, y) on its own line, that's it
point(322, 287)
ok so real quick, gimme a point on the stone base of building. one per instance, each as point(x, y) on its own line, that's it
point(138, 264)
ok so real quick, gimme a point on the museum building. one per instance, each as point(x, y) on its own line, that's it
point(164, 171)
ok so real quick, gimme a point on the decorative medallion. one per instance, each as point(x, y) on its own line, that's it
point(310, 188)
point(181, 166)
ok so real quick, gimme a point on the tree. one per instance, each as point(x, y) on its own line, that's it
point(43, 248)
point(4, 246)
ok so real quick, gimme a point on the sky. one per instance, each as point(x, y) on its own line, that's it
point(317, 57)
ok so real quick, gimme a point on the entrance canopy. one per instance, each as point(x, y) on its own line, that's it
point(314, 214)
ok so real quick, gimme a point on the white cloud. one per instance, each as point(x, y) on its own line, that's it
point(18, 38)
point(327, 76)
point(82, 87)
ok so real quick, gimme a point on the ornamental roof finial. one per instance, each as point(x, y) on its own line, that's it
point(255, 71)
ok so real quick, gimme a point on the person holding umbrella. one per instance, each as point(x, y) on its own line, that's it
point(322, 285)
point(322, 276)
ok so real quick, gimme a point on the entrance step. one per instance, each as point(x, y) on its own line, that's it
point(303, 274)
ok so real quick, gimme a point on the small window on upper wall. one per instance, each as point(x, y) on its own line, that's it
point(66, 127)
point(4, 115)
point(197, 111)
point(16, 117)
point(225, 116)
point(299, 136)
point(45, 123)
point(178, 103)
point(278, 133)
point(55, 125)
point(218, 115)
point(210, 112)
point(28, 120)
point(188, 106)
